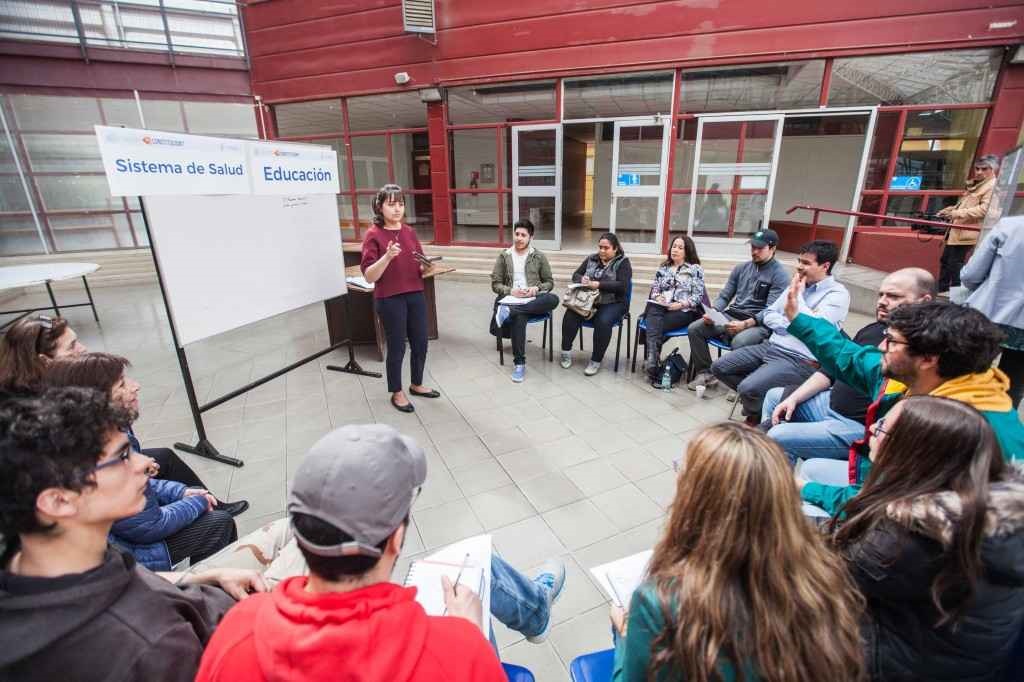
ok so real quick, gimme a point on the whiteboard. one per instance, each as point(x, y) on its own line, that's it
point(230, 260)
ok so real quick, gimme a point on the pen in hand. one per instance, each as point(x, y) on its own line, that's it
point(458, 577)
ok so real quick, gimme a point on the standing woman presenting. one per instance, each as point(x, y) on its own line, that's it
point(390, 263)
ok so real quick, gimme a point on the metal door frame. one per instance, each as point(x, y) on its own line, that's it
point(552, 191)
point(653, 191)
point(736, 168)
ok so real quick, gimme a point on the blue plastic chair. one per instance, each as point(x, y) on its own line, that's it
point(593, 667)
point(626, 320)
point(547, 337)
point(517, 673)
point(641, 325)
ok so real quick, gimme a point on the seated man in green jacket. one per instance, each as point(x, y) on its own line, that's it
point(933, 348)
point(523, 272)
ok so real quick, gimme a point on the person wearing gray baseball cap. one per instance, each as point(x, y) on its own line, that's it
point(751, 287)
point(349, 510)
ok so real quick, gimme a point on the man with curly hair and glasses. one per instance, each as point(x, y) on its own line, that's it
point(72, 606)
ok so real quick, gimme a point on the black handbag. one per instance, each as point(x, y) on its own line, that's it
point(676, 366)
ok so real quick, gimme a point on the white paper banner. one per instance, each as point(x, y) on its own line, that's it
point(144, 162)
point(280, 168)
point(147, 162)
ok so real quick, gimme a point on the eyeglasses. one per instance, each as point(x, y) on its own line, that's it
point(122, 457)
point(982, 168)
point(888, 341)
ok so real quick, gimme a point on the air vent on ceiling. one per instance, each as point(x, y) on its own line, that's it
point(418, 16)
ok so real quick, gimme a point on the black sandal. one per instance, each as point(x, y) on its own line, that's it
point(432, 393)
point(402, 408)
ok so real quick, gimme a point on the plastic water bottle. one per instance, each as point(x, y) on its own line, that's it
point(666, 377)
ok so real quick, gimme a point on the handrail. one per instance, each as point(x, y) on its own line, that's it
point(863, 214)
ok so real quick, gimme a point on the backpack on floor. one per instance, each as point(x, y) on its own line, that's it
point(676, 365)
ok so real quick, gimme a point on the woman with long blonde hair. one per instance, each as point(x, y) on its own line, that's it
point(741, 586)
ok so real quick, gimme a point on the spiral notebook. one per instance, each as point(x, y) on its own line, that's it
point(472, 557)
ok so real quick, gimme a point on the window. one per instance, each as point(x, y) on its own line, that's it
point(642, 94)
point(68, 199)
point(221, 118)
point(788, 85)
point(953, 77)
point(938, 146)
point(309, 118)
point(502, 102)
point(386, 112)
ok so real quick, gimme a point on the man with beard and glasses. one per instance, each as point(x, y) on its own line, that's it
point(822, 417)
point(935, 348)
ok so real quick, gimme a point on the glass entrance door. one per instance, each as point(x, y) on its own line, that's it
point(639, 162)
point(537, 181)
point(734, 176)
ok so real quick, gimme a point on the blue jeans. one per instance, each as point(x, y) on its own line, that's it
point(828, 472)
point(518, 602)
point(815, 430)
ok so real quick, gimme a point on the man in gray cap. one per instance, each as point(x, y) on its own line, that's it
point(349, 508)
point(752, 287)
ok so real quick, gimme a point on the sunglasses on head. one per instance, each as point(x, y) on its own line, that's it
point(43, 323)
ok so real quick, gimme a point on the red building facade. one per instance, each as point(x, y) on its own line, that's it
point(655, 116)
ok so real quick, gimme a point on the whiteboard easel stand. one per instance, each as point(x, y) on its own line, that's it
point(203, 447)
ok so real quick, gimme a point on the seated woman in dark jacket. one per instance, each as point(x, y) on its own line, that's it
point(740, 587)
point(521, 271)
point(935, 540)
point(610, 272)
point(675, 298)
point(178, 521)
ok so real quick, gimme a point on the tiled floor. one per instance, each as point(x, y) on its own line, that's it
point(561, 465)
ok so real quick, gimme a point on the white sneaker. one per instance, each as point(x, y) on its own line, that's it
point(552, 577)
point(565, 362)
point(592, 368)
point(519, 373)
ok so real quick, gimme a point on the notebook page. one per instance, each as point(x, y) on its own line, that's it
point(479, 549)
point(426, 575)
point(620, 578)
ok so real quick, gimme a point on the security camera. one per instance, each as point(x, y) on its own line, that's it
point(401, 78)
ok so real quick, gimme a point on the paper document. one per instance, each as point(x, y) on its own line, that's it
point(657, 302)
point(620, 578)
point(425, 575)
point(359, 282)
point(513, 300)
point(718, 318)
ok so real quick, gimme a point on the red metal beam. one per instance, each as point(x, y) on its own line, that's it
point(826, 83)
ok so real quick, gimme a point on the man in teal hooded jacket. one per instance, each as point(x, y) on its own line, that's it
point(933, 348)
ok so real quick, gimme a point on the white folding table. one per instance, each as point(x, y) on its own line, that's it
point(20, 276)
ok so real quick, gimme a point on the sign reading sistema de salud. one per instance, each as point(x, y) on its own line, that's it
point(147, 162)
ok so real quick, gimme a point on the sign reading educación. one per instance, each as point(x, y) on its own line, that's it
point(148, 162)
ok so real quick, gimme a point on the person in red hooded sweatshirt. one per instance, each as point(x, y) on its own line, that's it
point(349, 507)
